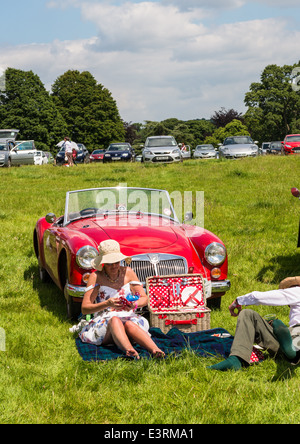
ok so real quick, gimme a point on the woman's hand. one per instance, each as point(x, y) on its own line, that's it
point(115, 303)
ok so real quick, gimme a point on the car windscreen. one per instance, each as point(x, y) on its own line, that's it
point(161, 141)
point(293, 139)
point(118, 148)
point(204, 147)
point(100, 202)
point(238, 140)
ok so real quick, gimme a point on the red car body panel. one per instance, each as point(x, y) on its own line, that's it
point(291, 147)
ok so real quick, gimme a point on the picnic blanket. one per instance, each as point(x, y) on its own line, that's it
point(206, 343)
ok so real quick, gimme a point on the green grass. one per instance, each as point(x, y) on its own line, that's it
point(43, 380)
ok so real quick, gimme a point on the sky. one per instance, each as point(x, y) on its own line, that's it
point(158, 58)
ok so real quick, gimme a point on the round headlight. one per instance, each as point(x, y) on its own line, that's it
point(85, 255)
point(215, 253)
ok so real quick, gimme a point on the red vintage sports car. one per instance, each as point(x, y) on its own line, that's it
point(144, 222)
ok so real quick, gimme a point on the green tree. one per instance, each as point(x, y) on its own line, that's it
point(234, 128)
point(26, 105)
point(273, 104)
point(90, 111)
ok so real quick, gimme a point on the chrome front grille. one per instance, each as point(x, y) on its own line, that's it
point(158, 264)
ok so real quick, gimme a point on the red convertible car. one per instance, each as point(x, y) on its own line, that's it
point(144, 222)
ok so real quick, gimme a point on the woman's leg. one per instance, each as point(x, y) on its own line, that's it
point(116, 334)
point(142, 338)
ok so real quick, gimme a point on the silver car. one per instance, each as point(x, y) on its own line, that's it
point(205, 152)
point(161, 149)
point(23, 153)
point(7, 142)
point(238, 146)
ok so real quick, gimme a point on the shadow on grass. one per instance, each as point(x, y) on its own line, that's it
point(284, 371)
point(280, 267)
point(50, 296)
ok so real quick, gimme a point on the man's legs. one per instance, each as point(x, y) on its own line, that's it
point(251, 328)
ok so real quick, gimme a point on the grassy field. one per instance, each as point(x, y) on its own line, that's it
point(43, 379)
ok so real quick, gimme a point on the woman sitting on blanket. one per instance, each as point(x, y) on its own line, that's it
point(114, 322)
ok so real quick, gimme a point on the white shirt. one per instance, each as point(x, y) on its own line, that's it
point(68, 147)
point(288, 296)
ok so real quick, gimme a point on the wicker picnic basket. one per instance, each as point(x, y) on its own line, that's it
point(178, 301)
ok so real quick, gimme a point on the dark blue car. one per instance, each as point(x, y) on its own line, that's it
point(82, 155)
point(119, 151)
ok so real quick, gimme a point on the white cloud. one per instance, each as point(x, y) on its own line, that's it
point(160, 61)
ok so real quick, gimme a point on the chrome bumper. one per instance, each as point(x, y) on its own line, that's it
point(220, 286)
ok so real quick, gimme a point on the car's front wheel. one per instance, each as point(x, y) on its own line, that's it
point(73, 308)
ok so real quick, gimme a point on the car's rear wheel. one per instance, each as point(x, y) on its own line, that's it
point(43, 274)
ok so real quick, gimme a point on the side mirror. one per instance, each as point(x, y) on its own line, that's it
point(295, 192)
point(50, 218)
point(188, 216)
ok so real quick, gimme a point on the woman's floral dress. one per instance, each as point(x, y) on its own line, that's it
point(95, 331)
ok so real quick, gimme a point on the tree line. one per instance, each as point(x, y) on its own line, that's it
point(83, 109)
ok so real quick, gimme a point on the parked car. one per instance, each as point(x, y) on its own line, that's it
point(23, 153)
point(49, 156)
point(161, 149)
point(7, 142)
point(5, 148)
point(265, 148)
point(238, 146)
point(275, 148)
point(82, 155)
point(205, 152)
point(144, 222)
point(97, 156)
point(119, 151)
point(40, 158)
point(291, 144)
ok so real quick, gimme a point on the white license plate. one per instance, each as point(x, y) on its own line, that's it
point(163, 157)
point(116, 158)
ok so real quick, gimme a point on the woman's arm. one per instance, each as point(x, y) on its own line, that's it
point(136, 287)
point(88, 306)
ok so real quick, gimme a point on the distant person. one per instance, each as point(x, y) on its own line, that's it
point(68, 151)
point(273, 335)
point(74, 155)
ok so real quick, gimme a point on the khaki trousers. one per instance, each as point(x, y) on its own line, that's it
point(252, 329)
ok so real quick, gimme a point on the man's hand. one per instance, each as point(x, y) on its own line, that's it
point(233, 307)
